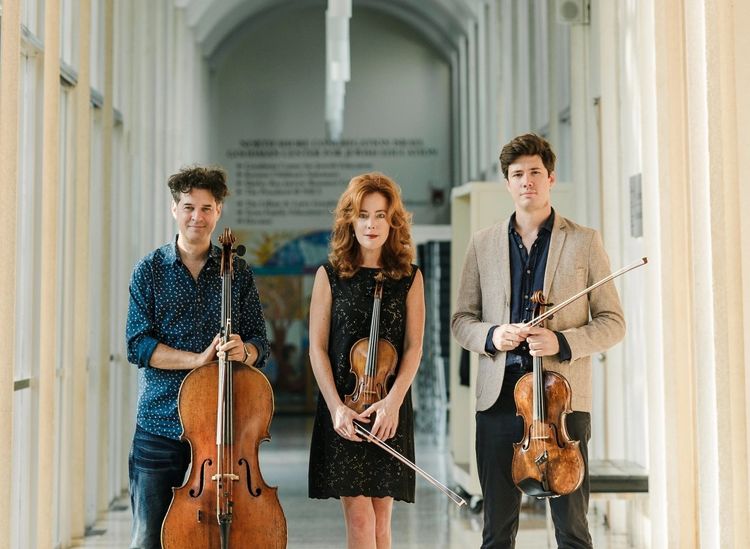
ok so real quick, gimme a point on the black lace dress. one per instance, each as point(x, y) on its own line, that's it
point(339, 467)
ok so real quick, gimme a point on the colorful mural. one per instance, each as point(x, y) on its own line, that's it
point(285, 264)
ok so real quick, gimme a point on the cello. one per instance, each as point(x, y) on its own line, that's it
point(546, 463)
point(225, 408)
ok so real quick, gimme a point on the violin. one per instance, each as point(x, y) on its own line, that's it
point(372, 360)
point(546, 463)
point(226, 409)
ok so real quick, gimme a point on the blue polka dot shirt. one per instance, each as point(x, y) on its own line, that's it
point(167, 305)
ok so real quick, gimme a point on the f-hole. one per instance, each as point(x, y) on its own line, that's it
point(256, 493)
point(202, 475)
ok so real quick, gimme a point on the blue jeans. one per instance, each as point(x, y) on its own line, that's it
point(156, 464)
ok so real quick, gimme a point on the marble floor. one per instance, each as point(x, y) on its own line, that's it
point(434, 522)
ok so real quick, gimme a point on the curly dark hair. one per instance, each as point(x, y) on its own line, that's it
point(398, 250)
point(528, 144)
point(211, 178)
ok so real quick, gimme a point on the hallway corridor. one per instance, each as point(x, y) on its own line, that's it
point(432, 523)
point(646, 104)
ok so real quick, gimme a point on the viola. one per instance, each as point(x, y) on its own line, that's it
point(226, 409)
point(546, 463)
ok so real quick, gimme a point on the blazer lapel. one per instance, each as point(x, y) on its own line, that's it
point(557, 240)
point(502, 244)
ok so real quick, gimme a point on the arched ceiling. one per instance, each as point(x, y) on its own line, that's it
point(443, 23)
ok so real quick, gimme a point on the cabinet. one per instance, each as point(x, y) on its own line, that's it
point(475, 205)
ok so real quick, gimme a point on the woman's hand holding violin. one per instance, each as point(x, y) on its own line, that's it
point(386, 417)
point(343, 419)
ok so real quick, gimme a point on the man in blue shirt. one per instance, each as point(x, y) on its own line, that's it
point(173, 323)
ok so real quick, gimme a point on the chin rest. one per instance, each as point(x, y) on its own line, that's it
point(532, 487)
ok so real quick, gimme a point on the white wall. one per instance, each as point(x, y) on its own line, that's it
point(269, 84)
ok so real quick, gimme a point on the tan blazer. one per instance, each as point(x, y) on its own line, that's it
point(576, 260)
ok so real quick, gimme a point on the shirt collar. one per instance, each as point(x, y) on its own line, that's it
point(547, 225)
point(172, 255)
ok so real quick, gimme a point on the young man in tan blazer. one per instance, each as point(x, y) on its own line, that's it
point(535, 249)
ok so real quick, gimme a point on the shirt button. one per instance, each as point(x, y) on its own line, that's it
point(526, 297)
point(528, 271)
point(520, 245)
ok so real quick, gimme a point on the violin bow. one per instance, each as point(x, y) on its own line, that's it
point(541, 318)
point(367, 435)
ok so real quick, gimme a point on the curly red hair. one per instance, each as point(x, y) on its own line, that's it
point(398, 251)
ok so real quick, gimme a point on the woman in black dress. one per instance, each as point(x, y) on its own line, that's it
point(371, 233)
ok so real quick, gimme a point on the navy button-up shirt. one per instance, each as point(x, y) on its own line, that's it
point(526, 276)
point(167, 305)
